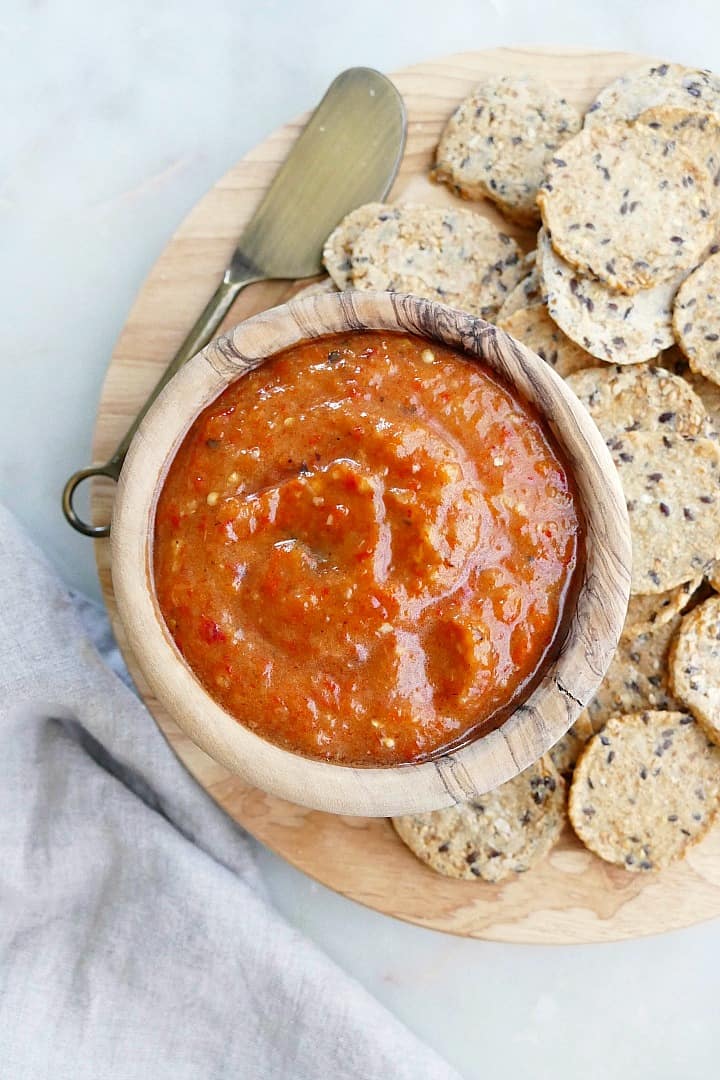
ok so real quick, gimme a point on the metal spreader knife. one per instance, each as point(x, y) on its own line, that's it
point(347, 154)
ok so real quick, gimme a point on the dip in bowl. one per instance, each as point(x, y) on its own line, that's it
point(371, 553)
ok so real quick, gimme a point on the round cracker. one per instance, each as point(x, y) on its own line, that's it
point(637, 677)
point(713, 575)
point(696, 319)
point(501, 833)
point(455, 256)
point(567, 749)
point(613, 327)
point(672, 492)
point(534, 327)
point(647, 612)
point(709, 394)
point(661, 84)
point(646, 788)
point(337, 252)
point(316, 288)
point(626, 206)
point(499, 139)
point(526, 293)
point(697, 132)
point(695, 663)
point(639, 398)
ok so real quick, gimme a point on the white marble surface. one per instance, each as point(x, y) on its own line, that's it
point(116, 117)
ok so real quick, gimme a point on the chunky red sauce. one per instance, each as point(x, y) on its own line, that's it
point(362, 549)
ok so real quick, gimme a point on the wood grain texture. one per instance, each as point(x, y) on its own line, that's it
point(568, 683)
point(572, 897)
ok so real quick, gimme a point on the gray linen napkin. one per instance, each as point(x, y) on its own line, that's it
point(136, 940)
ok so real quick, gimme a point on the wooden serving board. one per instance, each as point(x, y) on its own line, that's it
point(573, 896)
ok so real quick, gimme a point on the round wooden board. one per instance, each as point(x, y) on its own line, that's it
point(573, 897)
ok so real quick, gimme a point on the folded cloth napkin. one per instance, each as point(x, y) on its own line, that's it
point(136, 939)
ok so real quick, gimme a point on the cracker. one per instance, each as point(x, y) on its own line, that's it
point(613, 327)
point(661, 84)
point(534, 327)
point(626, 206)
point(337, 252)
point(672, 492)
point(696, 319)
point(316, 288)
point(567, 749)
point(526, 293)
point(454, 256)
point(696, 132)
point(647, 612)
point(695, 664)
point(639, 398)
point(499, 139)
point(709, 394)
point(646, 789)
point(714, 575)
point(637, 677)
point(501, 833)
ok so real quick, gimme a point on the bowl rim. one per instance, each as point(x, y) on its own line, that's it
point(568, 681)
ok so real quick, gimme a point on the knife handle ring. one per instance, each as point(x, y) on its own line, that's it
point(96, 531)
point(201, 333)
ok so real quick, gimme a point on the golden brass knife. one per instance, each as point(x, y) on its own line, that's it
point(347, 154)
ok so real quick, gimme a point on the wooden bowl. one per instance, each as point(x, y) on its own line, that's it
point(569, 681)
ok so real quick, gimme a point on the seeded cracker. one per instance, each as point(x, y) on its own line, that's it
point(662, 84)
point(637, 678)
point(696, 132)
point(626, 206)
point(534, 327)
point(639, 398)
point(502, 833)
point(526, 293)
point(339, 244)
point(695, 664)
point(709, 394)
point(672, 491)
point(645, 789)
point(454, 256)
point(648, 612)
point(612, 326)
point(567, 749)
point(316, 288)
point(498, 141)
point(696, 319)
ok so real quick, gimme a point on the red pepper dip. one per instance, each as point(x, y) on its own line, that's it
point(363, 548)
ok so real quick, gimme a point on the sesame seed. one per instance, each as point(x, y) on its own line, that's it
point(427, 356)
point(212, 498)
point(498, 461)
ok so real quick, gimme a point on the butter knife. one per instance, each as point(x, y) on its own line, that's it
point(347, 154)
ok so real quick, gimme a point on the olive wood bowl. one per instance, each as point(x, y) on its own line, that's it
point(591, 629)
